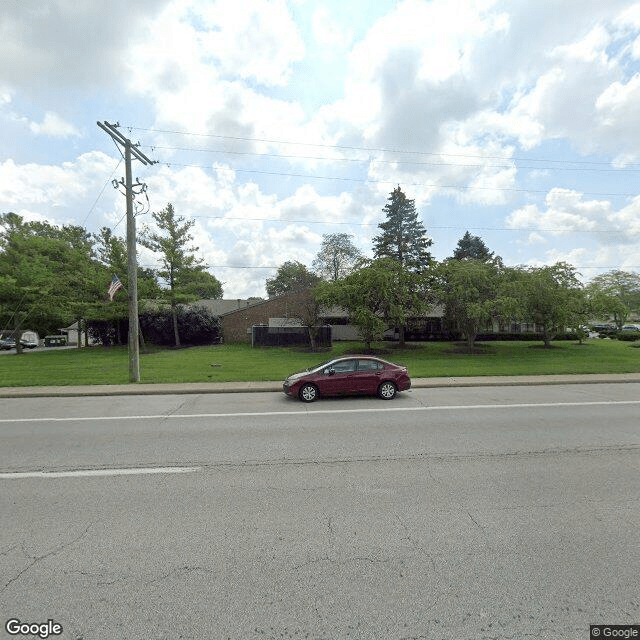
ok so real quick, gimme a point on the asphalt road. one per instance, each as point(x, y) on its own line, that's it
point(483, 513)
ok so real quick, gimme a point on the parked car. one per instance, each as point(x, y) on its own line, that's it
point(357, 374)
point(29, 344)
point(7, 343)
point(631, 327)
point(606, 328)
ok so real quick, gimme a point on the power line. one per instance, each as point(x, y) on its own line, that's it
point(367, 149)
point(394, 182)
point(372, 224)
point(248, 266)
point(101, 192)
point(609, 169)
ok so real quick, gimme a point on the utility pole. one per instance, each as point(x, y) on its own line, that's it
point(132, 258)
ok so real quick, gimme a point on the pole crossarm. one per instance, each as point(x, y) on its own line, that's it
point(112, 130)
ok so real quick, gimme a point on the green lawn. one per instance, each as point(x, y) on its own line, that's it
point(224, 363)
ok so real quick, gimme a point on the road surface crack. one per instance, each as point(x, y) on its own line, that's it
point(36, 559)
point(414, 543)
point(179, 572)
point(476, 522)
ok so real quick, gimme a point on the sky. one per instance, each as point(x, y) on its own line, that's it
point(274, 122)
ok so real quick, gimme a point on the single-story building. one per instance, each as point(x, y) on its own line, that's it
point(236, 324)
point(283, 311)
point(238, 317)
point(72, 335)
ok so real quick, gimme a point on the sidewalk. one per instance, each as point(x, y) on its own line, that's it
point(243, 387)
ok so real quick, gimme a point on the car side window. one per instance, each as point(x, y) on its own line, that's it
point(369, 365)
point(345, 366)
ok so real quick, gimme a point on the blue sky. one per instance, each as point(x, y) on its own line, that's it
point(275, 122)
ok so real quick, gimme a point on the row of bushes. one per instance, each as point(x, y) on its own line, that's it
point(627, 336)
point(196, 326)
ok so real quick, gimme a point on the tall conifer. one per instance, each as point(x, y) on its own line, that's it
point(403, 236)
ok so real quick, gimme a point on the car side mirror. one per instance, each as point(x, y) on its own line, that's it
point(329, 372)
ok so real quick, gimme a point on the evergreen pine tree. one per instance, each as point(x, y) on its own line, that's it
point(403, 236)
point(473, 248)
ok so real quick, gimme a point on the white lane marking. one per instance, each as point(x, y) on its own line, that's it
point(82, 473)
point(257, 414)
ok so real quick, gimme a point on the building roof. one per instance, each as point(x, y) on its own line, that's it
point(220, 307)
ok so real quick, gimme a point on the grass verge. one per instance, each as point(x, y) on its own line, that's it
point(229, 363)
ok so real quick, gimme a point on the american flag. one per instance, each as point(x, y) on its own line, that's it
point(114, 287)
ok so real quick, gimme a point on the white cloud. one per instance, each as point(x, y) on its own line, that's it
point(260, 42)
point(52, 185)
point(5, 96)
point(611, 239)
point(53, 125)
point(566, 213)
point(470, 84)
point(65, 44)
point(197, 58)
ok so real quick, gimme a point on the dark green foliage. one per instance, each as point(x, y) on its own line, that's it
point(615, 295)
point(376, 296)
point(291, 276)
point(197, 326)
point(108, 332)
point(551, 297)
point(628, 336)
point(48, 275)
point(403, 237)
point(183, 273)
point(473, 248)
point(469, 291)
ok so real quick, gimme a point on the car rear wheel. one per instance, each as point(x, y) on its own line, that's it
point(308, 392)
point(387, 390)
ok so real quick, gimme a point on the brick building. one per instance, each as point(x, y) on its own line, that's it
point(236, 325)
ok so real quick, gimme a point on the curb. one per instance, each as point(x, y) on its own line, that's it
point(134, 389)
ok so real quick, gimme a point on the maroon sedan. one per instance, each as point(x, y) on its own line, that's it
point(349, 375)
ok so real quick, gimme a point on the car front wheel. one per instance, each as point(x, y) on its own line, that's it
point(308, 393)
point(387, 390)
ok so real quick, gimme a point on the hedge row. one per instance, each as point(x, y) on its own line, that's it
point(196, 326)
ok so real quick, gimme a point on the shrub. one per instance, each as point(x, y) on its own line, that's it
point(196, 325)
point(108, 332)
point(628, 336)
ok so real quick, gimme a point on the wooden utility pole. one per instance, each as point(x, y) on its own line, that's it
point(132, 258)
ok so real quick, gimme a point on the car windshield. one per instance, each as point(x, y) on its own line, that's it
point(317, 367)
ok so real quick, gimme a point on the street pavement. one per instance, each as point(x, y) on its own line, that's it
point(455, 512)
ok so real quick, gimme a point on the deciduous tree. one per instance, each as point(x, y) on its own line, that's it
point(375, 298)
point(337, 256)
point(617, 294)
point(470, 291)
point(550, 296)
point(47, 274)
point(291, 276)
point(180, 267)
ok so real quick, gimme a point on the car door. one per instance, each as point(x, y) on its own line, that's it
point(367, 376)
point(341, 380)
